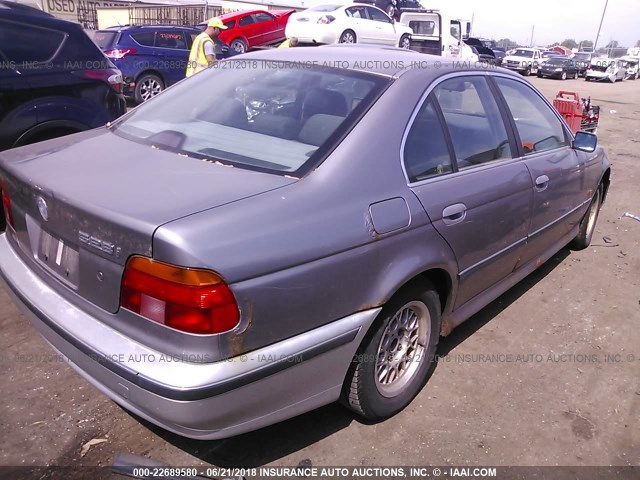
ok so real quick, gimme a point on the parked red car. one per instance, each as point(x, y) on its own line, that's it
point(253, 28)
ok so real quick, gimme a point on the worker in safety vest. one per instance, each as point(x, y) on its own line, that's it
point(202, 53)
point(290, 42)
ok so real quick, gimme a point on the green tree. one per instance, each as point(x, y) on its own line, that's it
point(586, 44)
point(638, 44)
point(507, 43)
point(570, 43)
point(613, 44)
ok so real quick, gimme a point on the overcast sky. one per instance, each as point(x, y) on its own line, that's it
point(554, 20)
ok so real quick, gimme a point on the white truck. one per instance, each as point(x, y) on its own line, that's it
point(436, 33)
point(524, 60)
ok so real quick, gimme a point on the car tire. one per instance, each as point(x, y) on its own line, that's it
point(563, 76)
point(539, 75)
point(381, 380)
point(405, 42)
point(588, 222)
point(148, 86)
point(527, 72)
point(348, 36)
point(238, 45)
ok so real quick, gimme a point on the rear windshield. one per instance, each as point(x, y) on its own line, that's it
point(104, 39)
point(582, 57)
point(600, 65)
point(275, 117)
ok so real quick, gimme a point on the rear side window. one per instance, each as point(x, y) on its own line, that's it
point(377, 15)
point(421, 27)
point(262, 17)
point(356, 12)
point(23, 43)
point(426, 153)
point(539, 128)
point(144, 38)
point(474, 122)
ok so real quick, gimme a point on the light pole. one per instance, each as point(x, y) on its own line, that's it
point(595, 44)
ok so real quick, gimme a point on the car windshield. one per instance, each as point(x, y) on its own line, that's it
point(557, 61)
point(523, 53)
point(275, 116)
point(324, 8)
point(104, 39)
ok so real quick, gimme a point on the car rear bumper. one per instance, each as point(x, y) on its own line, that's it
point(197, 400)
point(310, 33)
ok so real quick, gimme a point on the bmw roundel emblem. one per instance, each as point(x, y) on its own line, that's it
point(43, 209)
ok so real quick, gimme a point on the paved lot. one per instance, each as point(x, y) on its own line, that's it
point(573, 408)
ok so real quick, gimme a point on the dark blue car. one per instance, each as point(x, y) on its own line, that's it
point(54, 81)
point(151, 57)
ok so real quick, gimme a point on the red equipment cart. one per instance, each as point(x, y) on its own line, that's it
point(578, 113)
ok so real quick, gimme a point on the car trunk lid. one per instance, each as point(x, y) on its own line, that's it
point(83, 204)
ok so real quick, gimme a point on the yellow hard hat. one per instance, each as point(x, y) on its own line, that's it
point(216, 23)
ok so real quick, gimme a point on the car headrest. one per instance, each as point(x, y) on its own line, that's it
point(318, 128)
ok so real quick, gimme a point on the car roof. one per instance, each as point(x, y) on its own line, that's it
point(242, 13)
point(23, 9)
point(387, 61)
point(121, 28)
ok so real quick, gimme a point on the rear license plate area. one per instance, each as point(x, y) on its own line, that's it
point(59, 258)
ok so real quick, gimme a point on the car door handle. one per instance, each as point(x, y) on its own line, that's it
point(454, 214)
point(542, 182)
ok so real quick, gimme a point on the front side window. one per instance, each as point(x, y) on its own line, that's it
point(426, 153)
point(538, 127)
point(269, 117)
point(474, 122)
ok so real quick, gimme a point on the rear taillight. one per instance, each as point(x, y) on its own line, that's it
point(112, 76)
point(187, 299)
point(118, 53)
point(6, 205)
point(326, 19)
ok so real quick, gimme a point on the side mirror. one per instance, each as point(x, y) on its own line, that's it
point(585, 142)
